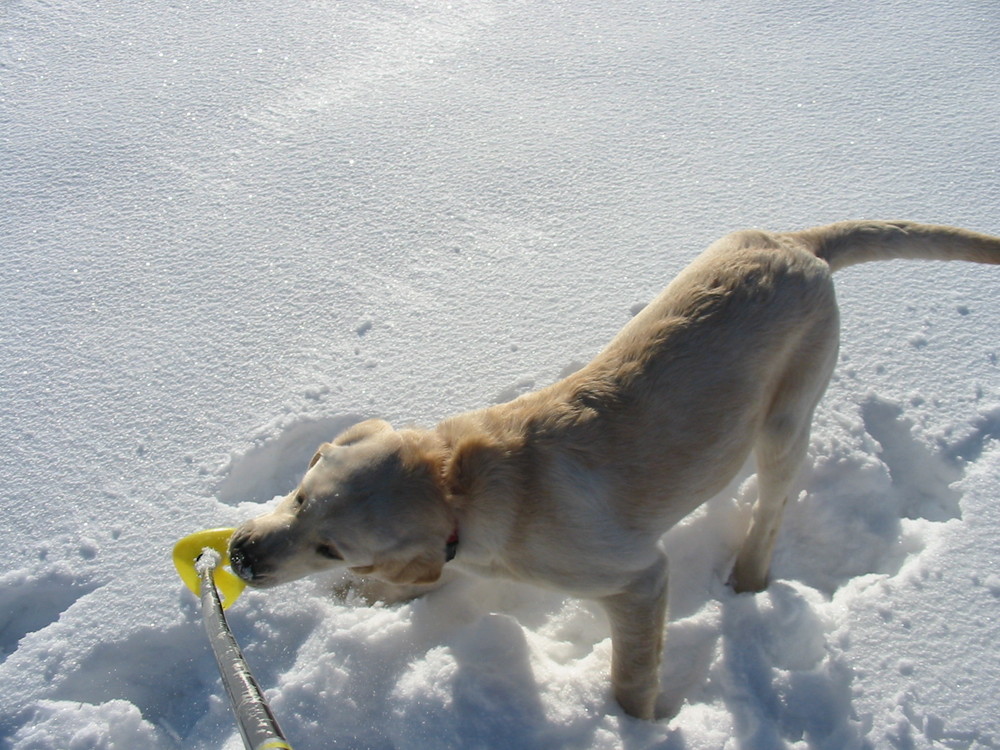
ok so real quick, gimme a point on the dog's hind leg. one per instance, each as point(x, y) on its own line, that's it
point(780, 448)
point(638, 616)
point(778, 461)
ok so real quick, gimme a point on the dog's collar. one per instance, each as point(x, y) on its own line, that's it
point(451, 546)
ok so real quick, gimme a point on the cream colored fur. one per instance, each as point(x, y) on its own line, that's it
point(572, 486)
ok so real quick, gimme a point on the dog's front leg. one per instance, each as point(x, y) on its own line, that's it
point(637, 616)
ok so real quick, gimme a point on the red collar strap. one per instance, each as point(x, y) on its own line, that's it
point(451, 546)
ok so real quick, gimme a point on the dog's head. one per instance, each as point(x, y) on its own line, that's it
point(372, 501)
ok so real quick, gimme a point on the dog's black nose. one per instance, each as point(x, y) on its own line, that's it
point(239, 560)
point(241, 565)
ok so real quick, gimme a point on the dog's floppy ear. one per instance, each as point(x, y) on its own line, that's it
point(470, 465)
point(420, 570)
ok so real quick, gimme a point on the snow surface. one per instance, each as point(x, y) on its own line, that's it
point(230, 230)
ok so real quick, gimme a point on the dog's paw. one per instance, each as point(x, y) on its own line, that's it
point(667, 706)
point(747, 582)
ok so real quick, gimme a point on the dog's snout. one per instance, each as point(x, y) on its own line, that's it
point(240, 559)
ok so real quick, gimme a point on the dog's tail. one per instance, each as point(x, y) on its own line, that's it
point(849, 242)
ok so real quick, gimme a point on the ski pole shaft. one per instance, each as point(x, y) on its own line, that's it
point(256, 723)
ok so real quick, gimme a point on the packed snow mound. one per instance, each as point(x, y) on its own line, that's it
point(231, 233)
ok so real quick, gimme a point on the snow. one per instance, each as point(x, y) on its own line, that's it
point(207, 561)
point(231, 231)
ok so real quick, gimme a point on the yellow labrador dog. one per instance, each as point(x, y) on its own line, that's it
point(572, 486)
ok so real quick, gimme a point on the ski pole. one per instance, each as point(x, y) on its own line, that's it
point(199, 558)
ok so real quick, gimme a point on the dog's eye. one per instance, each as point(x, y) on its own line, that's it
point(328, 551)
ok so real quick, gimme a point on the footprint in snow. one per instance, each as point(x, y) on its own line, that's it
point(28, 605)
point(277, 458)
point(922, 478)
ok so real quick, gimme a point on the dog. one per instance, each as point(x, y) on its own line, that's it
point(573, 485)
